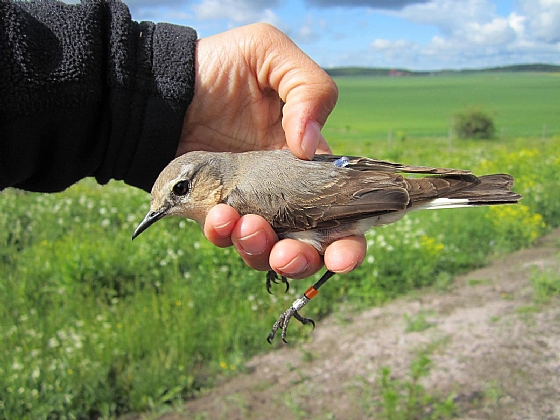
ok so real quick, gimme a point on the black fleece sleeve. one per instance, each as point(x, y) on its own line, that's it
point(86, 91)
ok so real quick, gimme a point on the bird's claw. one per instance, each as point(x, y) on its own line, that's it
point(284, 320)
point(272, 277)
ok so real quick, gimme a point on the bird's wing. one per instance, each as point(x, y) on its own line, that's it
point(320, 200)
point(366, 164)
point(370, 194)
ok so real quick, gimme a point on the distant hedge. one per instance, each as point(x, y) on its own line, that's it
point(473, 122)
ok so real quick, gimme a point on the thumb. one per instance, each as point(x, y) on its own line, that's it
point(308, 92)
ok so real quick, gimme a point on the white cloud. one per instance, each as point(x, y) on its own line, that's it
point(374, 4)
point(387, 45)
point(381, 44)
point(496, 32)
point(543, 17)
point(306, 34)
point(448, 15)
point(517, 23)
point(152, 3)
point(236, 11)
point(472, 34)
point(310, 30)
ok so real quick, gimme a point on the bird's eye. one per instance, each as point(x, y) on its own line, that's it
point(182, 188)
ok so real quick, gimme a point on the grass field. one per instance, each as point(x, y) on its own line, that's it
point(94, 325)
point(368, 108)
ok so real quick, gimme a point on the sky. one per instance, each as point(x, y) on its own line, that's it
point(409, 34)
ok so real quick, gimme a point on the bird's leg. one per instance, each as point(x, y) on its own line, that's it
point(299, 303)
point(272, 277)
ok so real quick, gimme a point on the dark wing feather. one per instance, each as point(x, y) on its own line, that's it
point(491, 189)
point(354, 196)
point(429, 188)
point(366, 164)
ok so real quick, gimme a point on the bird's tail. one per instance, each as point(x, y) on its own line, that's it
point(491, 190)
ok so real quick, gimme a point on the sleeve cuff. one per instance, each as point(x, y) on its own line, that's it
point(173, 72)
point(162, 91)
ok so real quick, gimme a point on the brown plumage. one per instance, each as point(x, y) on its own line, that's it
point(316, 201)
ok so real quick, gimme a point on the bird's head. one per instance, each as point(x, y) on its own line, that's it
point(189, 186)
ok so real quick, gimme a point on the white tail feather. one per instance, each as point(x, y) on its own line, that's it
point(443, 203)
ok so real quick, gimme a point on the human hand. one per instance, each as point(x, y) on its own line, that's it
point(254, 90)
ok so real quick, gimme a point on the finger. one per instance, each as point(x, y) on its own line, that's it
point(308, 92)
point(219, 225)
point(323, 147)
point(253, 238)
point(345, 254)
point(295, 259)
point(305, 114)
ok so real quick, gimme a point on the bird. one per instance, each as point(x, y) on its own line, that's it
point(315, 201)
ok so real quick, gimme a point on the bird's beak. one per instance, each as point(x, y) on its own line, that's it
point(149, 220)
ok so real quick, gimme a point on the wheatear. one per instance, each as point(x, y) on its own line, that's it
point(317, 201)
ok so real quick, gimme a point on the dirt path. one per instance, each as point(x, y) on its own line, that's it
point(490, 345)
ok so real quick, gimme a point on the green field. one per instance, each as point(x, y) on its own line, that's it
point(522, 104)
point(94, 325)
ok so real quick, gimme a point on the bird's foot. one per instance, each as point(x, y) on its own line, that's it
point(272, 277)
point(284, 319)
point(292, 312)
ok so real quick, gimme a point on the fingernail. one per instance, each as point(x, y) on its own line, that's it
point(311, 138)
point(224, 231)
point(348, 268)
point(298, 265)
point(254, 244)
